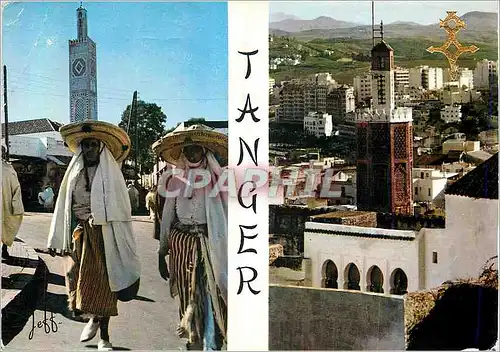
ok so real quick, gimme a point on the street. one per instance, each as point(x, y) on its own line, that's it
point(146, 323)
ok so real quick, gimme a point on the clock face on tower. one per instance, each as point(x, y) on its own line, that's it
point(79, 67)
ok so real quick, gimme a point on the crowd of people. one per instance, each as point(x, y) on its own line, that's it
point(91, 229)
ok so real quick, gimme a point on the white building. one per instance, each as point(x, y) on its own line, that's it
point(429, 185)
point(466, 78)
point(390, 261)
point(458, 145)
point(485, 73)
point(451, 113)
point(38, 138)
point(435, 79)
point(430, 78)
point(363, 88)
point(319, 124)
point(272, 83)
point(401, 77)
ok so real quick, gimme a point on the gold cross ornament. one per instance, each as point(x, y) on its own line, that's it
point(452, 24)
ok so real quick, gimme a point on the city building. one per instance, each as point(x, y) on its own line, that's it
point(430, 78)
point(429, 185)
point(489, 137)
point(272, 83)
point(459, 145)
point(384, 143)
point(363, 88)
point(38, 154)
point(465, 80)
point(318, 124)
point(485, 74)
point(401, 77)
point(340, 102)
point(451, 113)
point(453, 94)
point(82, 72)
point(298, 98)
point(341, 182)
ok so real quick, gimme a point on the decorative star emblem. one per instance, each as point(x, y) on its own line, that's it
point(79, 67)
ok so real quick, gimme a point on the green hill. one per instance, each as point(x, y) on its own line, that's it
point(348, 58)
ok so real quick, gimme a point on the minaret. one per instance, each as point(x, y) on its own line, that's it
point(82, 23)
point(384, 143)
point(82, 72)
point(382, 75)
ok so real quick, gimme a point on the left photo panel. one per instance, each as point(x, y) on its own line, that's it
point(114, 137)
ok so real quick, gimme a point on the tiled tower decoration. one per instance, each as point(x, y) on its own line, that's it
point(384, 143)
point(82, 73)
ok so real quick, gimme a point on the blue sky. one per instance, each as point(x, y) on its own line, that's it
point(173, 54)
point(428, 12)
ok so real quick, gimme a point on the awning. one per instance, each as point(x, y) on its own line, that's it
point(54, 159)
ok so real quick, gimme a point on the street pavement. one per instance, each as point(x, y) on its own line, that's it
point(145, 323)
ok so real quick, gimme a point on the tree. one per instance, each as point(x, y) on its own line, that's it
point(197, 120)
point(150, 127)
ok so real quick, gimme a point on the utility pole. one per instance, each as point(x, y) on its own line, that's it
point(5, 109)
point(136, 118)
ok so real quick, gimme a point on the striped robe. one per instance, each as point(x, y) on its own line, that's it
point(87, 275)
point(188, 280)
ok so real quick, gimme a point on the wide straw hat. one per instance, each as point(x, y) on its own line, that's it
point(169, 147)
point(115, 138)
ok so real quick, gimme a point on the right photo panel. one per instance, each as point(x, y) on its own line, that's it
point(383, 154)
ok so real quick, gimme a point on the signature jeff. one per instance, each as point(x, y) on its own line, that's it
point(48, 324)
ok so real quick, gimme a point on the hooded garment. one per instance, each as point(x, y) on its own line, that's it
point(216, 212)
point(110, 208)
point(12, 204)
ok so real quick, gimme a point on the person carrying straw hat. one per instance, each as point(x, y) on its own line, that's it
point(194, 234)
point(92, 226)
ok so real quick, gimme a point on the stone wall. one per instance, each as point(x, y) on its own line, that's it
point(350, 218)
point(302, 318)
point(406, 222)
point(287, 224)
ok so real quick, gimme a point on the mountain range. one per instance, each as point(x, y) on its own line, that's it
point(481, 26)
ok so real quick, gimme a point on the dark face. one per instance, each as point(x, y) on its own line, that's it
point(193, 153)
point(90, 148)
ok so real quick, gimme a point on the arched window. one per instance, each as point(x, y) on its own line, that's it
point(352, 277)
point(399, 282)
point(375, 280)
point(330, 275)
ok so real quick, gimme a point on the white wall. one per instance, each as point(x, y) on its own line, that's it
point(387, 254)
point(472, 228)
point(435, 240)
point(27, 146)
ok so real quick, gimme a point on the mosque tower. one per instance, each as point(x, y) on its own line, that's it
point(82, 72)
point(384, 143)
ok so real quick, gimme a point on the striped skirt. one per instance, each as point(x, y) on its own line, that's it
point(189, 281)
point(87, 276)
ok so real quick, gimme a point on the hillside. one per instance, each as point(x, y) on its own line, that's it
point(349, 57)
point(481, 26)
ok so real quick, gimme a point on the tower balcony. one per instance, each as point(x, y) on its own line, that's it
point(400, 114)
